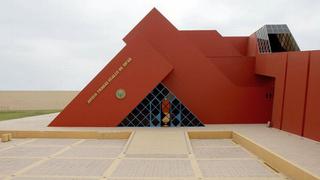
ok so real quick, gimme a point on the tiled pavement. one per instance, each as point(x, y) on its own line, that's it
point(224, 158)
point(60, 159)
point(298, 150)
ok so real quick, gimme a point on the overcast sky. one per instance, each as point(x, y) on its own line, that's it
point(63, 44)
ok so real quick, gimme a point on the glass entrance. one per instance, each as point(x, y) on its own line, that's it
point(160, 108)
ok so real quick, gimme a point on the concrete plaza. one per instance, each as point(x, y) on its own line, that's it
point(149, 153)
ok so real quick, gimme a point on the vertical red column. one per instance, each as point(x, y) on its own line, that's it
point(295, 92)
point(312, 114)
point(274, 65)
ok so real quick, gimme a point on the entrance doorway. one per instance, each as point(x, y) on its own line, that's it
point(161, 108)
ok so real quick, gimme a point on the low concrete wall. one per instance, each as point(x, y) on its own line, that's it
point(35, 100)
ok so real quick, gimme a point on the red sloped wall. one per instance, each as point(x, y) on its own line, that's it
point(146, 70)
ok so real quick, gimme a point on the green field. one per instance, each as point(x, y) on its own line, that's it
point(6, 115)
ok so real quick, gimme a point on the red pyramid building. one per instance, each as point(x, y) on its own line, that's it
point(215, 79)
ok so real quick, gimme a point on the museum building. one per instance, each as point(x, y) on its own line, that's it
point(165, 77)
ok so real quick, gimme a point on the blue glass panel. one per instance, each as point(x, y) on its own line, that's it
point(148, 112)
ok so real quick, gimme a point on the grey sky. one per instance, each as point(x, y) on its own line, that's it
point(63, 44)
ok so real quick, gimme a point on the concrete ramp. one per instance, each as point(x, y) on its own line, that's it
point(158, 143)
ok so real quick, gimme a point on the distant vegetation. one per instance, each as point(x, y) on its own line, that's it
point(6, 115)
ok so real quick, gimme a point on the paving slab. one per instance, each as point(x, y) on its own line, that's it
point(13, 142)
point(154, 178)
point(212, 142)
point(158, 142)
point(51, 142)
point(220, 152)
point(12, 165)
point(52, 178)
point(27, 151)
point(71, 167)
point(91, 152)
point(103, 142)
point(234, 168)
point(178, 156)
point(153, 168)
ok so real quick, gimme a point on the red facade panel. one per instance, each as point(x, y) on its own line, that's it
point(198, 82)
point(145, 71)
point(239, 70)
point(252, 49)
point(274, 65)
point(295, 92)
point(312, 118)
point(211, 43)
point(240, 43)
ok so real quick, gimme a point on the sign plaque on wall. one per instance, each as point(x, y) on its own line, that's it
point(122, 93)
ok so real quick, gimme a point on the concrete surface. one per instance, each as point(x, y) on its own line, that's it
point(158, 143)
point(104, 159)
point(204, 153)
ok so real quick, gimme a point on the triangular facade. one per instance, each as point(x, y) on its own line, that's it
point(149, 111)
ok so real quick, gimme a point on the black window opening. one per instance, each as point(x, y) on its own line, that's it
point(150, 113)
point(282, 43)
point(275, 38)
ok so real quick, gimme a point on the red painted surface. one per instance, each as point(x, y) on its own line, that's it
point(312, 115)
point(211, 43)
point(296, 94)
point(252, 49)
point(274, 65)
point(220, 79)
point(143, 74)
point(240, 43)
point(294, 97)
point(197, 81)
